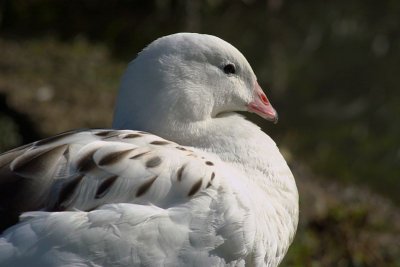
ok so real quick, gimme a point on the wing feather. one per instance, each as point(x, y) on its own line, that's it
point(85, 169)
point(126, 198)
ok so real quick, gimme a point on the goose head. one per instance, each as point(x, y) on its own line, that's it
point(187, 78)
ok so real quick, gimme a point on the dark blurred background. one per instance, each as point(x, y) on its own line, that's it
point(331, 69)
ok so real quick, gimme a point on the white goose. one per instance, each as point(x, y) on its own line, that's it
point(217, 193)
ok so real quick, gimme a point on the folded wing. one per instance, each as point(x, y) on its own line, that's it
point(86, 169)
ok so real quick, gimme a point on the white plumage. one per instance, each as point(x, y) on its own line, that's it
point(205, 188)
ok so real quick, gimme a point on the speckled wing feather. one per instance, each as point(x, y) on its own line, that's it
point(127, 198)
point(85, 169)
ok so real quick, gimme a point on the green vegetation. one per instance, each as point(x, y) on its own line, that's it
point(329, 68)
point(47, 80)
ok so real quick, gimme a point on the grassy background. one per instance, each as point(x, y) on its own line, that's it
point(330, 69)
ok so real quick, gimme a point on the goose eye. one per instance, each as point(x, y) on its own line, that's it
point(230, 69)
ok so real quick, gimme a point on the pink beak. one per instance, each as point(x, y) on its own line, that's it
point(261, 105)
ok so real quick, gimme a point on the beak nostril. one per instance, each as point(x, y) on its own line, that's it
point(264, 99)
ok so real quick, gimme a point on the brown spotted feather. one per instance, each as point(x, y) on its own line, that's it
point(114, 157)
point(64, 195)
point(145, 186)
point(38, 162)
point(195, 188)
point(153, 162)
point(61, 173)
point(105, 186)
